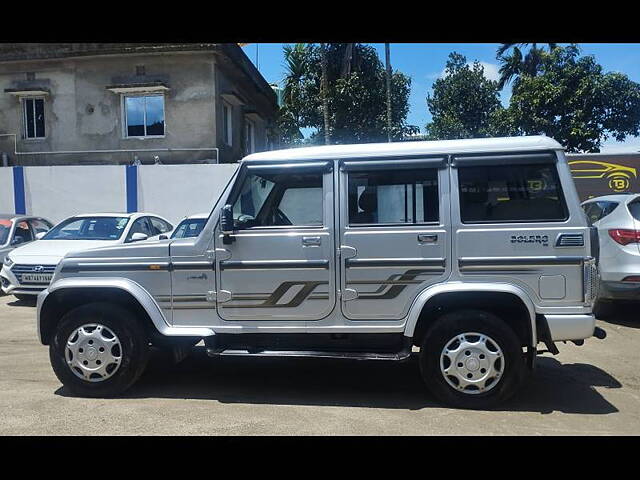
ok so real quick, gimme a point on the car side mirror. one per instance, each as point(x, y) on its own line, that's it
point(226, 224)
point(137, 237)
point(163, 237)
point(39, 235)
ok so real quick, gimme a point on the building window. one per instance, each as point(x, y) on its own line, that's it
point(33, 117)
point(249, 137)
point(144, 115)
point(227, 123)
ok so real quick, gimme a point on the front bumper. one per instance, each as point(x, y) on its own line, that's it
point(10, 284)
point(571, 327)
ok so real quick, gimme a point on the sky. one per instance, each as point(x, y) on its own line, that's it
point(425, 62)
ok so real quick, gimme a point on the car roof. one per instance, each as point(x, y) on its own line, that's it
point(10, 216)
point(197, 216)
point(116, 214)
point(620, 198)
point(377, 150)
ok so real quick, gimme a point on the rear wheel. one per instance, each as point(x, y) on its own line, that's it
point(99, 350)
point(471, 359)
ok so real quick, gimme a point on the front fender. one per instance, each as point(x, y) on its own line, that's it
point(457, 287)
point(141, 295)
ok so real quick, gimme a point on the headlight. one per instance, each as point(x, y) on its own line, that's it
point(7, 262)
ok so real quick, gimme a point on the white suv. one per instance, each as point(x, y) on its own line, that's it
point(27, 270)
point(617, 218)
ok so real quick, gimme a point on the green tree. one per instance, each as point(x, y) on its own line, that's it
point(355, 105)
point(464, 102)
point(516, 63)
point(573, 101)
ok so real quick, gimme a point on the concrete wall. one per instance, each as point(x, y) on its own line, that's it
point(58, 192)
point(175, 191)
point(6, 191)
point(172, 191)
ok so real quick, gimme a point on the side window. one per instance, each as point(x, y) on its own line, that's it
point(139, 226)
point(159, 226)
point(393, 197)
point(22, 233)
point(268, 200)
point(593, 211)
point(39, 225)
point(607, 208)
point(510, 193)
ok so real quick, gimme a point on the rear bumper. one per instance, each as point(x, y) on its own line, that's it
point(619, 290)
point(570, 327)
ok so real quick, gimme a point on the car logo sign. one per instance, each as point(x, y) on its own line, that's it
point(38, 268)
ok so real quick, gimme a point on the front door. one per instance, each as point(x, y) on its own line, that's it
point(279, 264)
point(393, 240)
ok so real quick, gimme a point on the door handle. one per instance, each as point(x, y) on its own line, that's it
point(427, 238)
point(202, 276)
point(311, 241)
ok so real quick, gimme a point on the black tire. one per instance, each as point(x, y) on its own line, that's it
point(455, 323)
point(132, 336)
point(26, 298)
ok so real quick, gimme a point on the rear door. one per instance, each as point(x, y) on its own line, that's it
point(280, 263)
point(393, 237)
point(514, 223)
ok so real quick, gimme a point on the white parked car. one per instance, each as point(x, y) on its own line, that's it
point(191, 226)
point(27, 270)
point(617, 218)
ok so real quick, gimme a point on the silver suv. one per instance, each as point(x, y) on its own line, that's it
point(474, 251)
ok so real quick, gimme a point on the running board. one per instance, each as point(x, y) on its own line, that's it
point(397, 356)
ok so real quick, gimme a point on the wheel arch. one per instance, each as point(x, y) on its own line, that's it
point(502, 299)
point(67, 294)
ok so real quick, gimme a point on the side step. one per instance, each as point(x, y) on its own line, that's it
point(397, 356)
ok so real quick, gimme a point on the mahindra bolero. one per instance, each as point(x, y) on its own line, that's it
point(467, 254)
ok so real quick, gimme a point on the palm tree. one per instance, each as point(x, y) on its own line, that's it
point(516, 64)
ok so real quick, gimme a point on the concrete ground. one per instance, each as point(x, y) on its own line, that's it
point(592, 390)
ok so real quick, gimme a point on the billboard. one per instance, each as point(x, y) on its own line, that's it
point(598, 174)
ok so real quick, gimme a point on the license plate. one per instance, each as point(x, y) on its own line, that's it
point(37, 277)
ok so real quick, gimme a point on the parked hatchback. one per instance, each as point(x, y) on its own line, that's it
point(617, 218)
point(27, 270)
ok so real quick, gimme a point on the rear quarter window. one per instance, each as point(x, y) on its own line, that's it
point(511, 193)
point(634, 209)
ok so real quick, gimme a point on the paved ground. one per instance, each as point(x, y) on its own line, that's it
point(593, 389)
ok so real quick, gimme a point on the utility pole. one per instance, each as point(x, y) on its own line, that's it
point(324, 87)
point(387, 55)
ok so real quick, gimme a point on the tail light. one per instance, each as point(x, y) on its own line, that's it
point(632, 278)
point(624, 236)
point(590, 280)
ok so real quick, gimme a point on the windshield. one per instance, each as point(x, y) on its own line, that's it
point(189, 228)
point(88, 228)
point(5, 228)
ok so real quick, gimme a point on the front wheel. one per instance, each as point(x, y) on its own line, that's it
point(99, 350)
point(471, 359)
